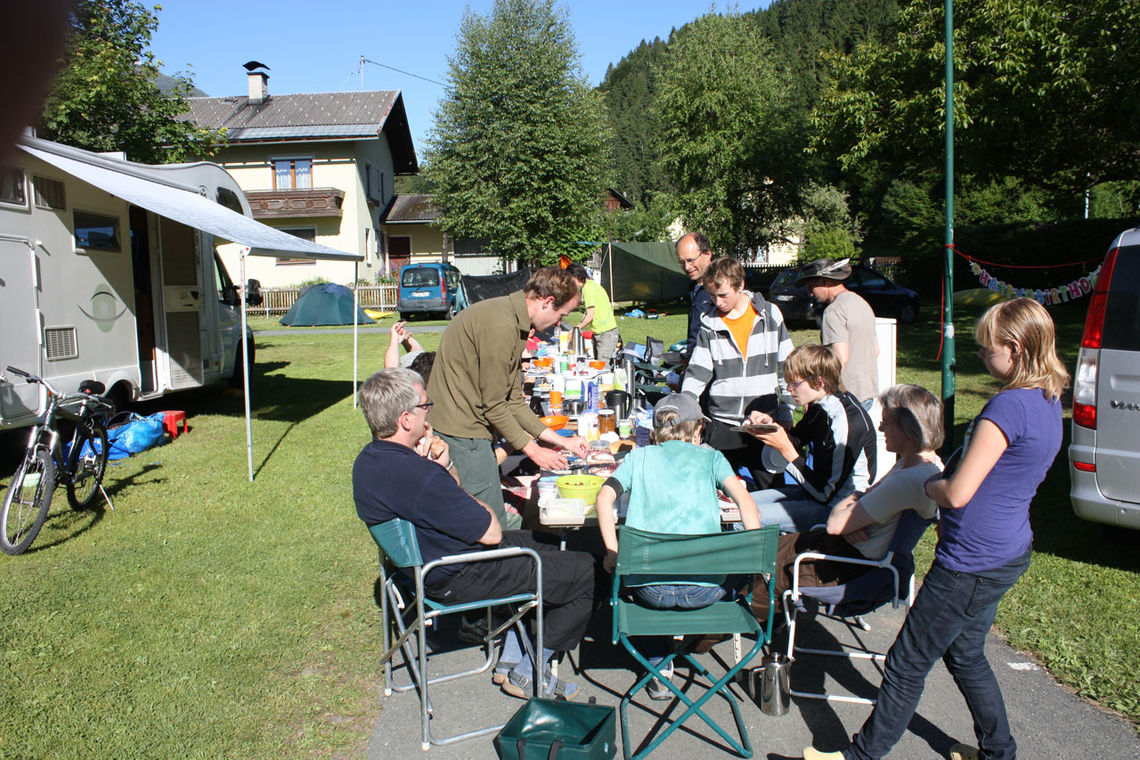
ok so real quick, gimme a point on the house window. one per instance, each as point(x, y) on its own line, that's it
point(96, 232)
point(292, 174)
point(305, 233)
point(12, 187)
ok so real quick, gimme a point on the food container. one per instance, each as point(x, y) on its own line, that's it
point(562, 511)
point(583, 487)
point(555, 421)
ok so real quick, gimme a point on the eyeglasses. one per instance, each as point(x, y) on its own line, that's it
point(796, 384)
point(426, 406)
point(693, 259)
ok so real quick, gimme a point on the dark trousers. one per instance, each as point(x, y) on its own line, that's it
point(952, 614)
point(567, 586)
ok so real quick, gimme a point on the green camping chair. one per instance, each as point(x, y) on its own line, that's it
point(641, 553)
point(406, 608)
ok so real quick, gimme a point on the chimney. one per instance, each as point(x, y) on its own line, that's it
point(258, 87)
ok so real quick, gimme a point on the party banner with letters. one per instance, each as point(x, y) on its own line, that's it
point(1047, 296)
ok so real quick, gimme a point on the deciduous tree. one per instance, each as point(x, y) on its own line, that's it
point(517, 154)
point(730, 143)
point(105, 97)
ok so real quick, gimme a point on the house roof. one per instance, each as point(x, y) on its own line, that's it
point(412, 209)
point(312, 116)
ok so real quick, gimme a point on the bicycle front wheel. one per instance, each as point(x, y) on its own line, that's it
point(26, 501)
point(86, 463)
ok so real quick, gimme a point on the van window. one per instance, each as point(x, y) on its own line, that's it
point(453, 279)
point(1122, 314)
point(420, 277)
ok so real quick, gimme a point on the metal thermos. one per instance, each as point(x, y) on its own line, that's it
point(577, 343)
point(775, 689)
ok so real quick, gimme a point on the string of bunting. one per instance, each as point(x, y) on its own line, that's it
point(1070, 291)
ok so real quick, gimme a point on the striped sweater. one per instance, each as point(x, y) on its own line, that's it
point(734, 384)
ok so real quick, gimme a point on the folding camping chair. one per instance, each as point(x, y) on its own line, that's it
point(890, 579)
point(405, 606)
point(650, 375)
point(641, 553)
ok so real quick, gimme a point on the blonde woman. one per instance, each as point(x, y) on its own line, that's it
point(984, 538)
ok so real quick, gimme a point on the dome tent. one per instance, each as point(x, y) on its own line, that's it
point(326, 304)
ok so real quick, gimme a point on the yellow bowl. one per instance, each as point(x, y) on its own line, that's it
point(584, 487)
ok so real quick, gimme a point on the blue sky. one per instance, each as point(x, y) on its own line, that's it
point(316, 47)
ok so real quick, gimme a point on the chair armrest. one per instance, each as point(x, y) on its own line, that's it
point(486, 556)
point(885, 562)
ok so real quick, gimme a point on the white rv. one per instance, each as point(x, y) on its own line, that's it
point(109, 271)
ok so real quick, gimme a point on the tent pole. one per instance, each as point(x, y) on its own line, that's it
point(355, 328)
point(245, 364)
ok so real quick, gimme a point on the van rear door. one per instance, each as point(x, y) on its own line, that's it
point(1118, 384)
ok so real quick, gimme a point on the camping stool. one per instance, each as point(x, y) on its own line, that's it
point(174, 422)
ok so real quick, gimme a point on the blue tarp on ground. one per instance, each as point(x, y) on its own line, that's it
point(327, 304)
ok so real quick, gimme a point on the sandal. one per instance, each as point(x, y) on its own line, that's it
point(501, 671)
point(519, 685)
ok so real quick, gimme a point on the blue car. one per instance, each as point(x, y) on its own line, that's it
point(429, 289)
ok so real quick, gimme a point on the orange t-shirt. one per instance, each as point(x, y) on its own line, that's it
point(741, 328)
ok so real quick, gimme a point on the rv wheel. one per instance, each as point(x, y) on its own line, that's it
point(235, 378)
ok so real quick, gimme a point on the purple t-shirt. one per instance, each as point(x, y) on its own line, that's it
point(993, 528)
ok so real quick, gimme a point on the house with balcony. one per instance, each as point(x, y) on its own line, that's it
point(320, 166)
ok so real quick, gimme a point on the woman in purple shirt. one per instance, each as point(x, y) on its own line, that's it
point(984, 538)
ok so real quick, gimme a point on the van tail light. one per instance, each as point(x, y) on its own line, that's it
point(1084, 466)
point(1084, 388)
point(1084, 383)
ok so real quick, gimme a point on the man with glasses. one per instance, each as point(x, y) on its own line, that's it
point(476, 385)
point(406, 471)
point(694, 254)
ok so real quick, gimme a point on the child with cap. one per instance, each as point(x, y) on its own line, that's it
point(672, 487)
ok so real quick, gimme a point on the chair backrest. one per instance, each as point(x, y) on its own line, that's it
point(397, 539)
point(909, 530)
point(744, 551)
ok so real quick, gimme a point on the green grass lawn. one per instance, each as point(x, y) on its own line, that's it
point(210, 617)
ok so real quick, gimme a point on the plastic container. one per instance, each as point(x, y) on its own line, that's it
point(583, 487)
point(562, 511)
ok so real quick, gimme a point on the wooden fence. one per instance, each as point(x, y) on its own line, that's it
point(280, 300)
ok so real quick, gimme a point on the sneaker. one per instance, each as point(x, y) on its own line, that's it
point(811, 753)
point(519, 685)
point(963, 752)
point(657, 690)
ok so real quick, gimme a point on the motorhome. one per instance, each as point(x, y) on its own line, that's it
point(109, 271)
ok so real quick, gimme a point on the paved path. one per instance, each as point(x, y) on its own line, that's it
point(1047, 720)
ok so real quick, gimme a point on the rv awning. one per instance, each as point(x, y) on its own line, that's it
point(187, 207)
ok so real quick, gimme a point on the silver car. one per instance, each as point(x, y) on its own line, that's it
point(1104, 456)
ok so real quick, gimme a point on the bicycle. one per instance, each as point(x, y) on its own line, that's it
point(80, 466)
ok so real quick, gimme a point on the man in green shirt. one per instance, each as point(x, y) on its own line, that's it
point(476, 385)
point(599, 312)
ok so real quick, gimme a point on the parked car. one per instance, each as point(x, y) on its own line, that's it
point(431, 288)
point(1104, 455)
point(885, 297)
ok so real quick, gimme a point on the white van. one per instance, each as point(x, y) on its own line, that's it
point(108, 271)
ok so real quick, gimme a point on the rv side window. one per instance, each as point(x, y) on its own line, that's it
point(227, 293)
point(12, 187)
point(96, 232)
point(228, 199)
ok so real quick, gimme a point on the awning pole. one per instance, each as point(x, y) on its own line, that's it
point(355, 328)
point(245, 363)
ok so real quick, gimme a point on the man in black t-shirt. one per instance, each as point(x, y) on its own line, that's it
point(406, 472)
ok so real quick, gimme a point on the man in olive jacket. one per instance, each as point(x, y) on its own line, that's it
point(476, 385)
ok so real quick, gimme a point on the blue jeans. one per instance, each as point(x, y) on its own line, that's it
point(673, 596)
point(951, 616)
point(790, 508)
